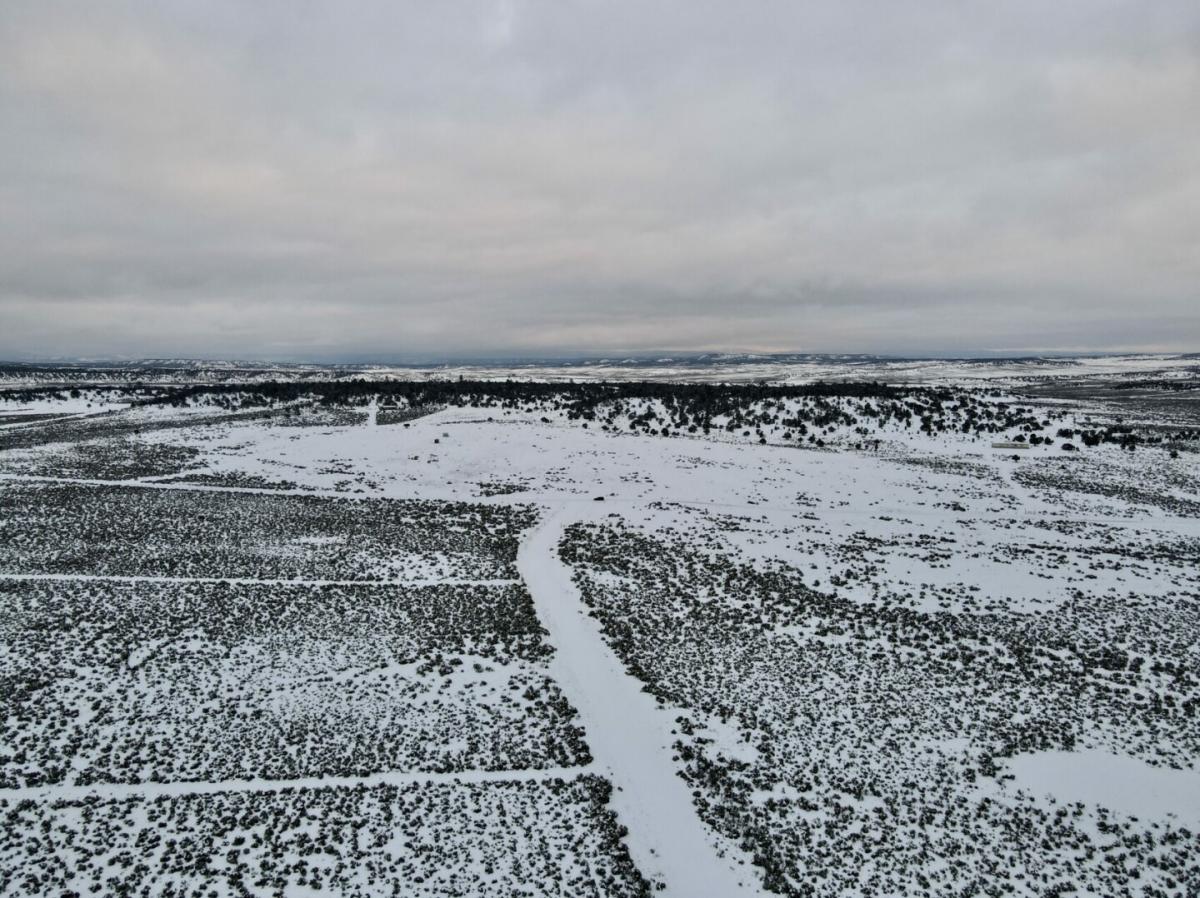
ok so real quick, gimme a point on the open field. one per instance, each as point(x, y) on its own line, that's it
point(370, 637)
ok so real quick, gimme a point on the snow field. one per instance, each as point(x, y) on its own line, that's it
point(807, 671)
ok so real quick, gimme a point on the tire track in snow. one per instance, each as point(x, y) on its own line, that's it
point(250, 581)
point(70, 792)
point(627, 731)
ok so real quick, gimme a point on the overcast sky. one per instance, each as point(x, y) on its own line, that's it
point(304, 180)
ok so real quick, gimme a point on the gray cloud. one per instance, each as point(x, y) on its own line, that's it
point(302, 179)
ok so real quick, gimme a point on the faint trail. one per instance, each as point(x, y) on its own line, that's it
point(191, 487)
point(394, 778)
point(566, 499)
point(51, 419)
point(628, 733)
point(136, 578)
point(1161, 524)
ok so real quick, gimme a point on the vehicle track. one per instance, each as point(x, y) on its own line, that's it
point(627, 731)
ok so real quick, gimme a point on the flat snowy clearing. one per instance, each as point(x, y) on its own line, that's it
point(1101, 779)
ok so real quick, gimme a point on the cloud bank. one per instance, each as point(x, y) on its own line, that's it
point(305, 180)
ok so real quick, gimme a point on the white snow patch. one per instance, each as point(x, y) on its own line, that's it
point(1117, 782)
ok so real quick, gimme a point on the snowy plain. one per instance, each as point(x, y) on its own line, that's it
point(693, 664)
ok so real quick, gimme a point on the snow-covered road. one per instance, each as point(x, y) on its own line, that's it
point(629, 734)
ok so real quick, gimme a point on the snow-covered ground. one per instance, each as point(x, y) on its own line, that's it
point(528, 654)
point(1099, 778)
point(88, 402)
